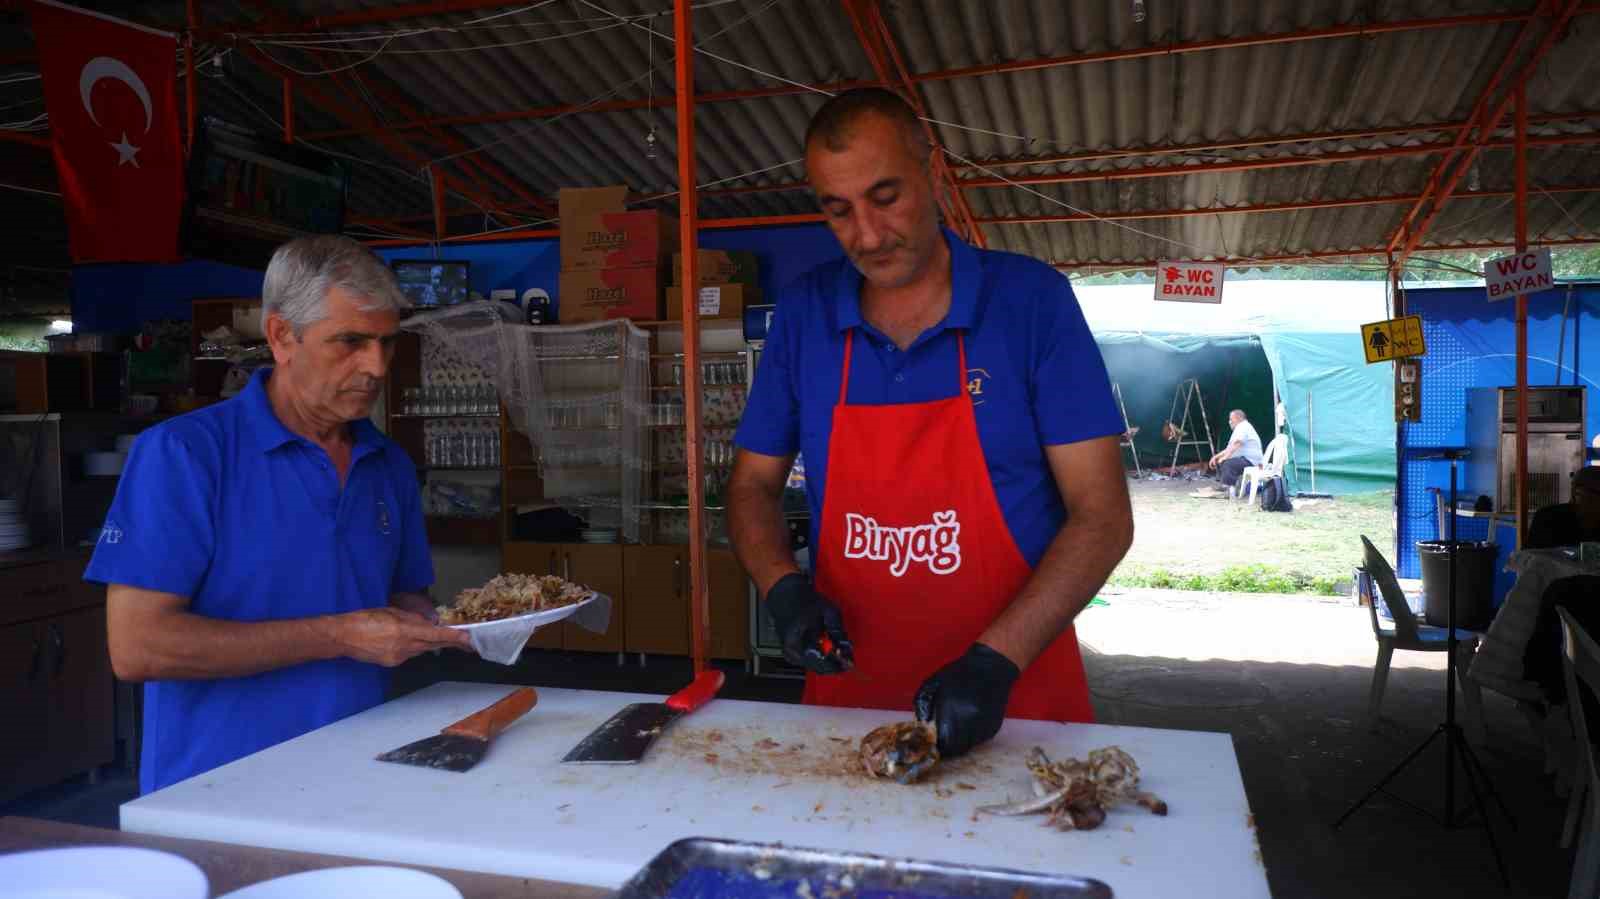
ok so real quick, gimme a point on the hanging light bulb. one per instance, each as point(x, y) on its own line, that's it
point(1138, 10)
point(1473, 181)
point(650, 144)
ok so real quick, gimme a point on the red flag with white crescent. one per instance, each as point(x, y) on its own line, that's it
point(110, 88)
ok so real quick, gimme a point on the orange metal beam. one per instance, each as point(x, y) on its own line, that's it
point(314, 93)
point(1204, 168)
point(1173, 48)
point(1068, 218)
point(872, 32)
point(1136, 215)
point(688, 237)
point(1485, 119)
point(1375, 253)
point(361, 17)
point(1520, 165)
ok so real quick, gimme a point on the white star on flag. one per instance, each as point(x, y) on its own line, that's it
point(126, 152)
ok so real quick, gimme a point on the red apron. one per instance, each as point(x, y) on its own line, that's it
point(916, 553)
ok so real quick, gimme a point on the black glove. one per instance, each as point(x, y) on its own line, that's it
point(805, 618)
point(967, 698)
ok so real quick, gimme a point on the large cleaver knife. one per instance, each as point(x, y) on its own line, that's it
point(627, 735)
point(462, 744)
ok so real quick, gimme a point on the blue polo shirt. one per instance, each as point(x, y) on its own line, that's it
point(1034, 372)
point(227, 507)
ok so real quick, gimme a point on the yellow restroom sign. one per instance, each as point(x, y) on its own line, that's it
point(1396, 338)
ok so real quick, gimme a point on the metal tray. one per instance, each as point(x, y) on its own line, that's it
point(700, 868)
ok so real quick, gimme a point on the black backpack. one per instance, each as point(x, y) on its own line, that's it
point(1273, 495)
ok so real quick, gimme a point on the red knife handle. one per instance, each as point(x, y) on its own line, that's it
point(486, 724)
point(699, 692)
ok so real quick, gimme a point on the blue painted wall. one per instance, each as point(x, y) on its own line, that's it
point(118, 298)
point(785, 253)
point(1472, 343)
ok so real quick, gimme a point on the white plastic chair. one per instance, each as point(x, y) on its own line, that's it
point(1271, 466)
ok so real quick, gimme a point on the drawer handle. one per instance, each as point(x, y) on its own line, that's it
point(59, 643)
point(677, 577)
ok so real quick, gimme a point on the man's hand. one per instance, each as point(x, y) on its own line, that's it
point(389, 636)
point(804, 617)
point(416, 603)
point(966, 699)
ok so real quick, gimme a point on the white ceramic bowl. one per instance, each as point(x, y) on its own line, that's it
point(101, 872)
point(346, 883)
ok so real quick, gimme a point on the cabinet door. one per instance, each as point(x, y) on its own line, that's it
point(656, 580)
point(24, 695)
point(536, 558)
point(81, 716)
point(598, 567)
point(729, 590)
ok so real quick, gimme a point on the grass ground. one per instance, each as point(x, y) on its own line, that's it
point(1187, 542)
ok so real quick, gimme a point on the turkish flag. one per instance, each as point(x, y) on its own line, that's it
point(110, 88)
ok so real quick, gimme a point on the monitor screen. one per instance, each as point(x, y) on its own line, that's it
point(430, 283)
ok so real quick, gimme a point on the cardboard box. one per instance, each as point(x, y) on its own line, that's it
point(610, 293)
point(597, 231)
point(721, 267)
point(716, 301)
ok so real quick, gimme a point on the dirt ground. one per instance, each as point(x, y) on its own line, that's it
point(1178, 534)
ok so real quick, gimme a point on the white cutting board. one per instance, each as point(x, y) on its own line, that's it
point(521, 812)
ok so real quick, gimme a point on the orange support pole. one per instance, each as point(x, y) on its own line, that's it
point(189, 89)
point(437, 177)
point(288, 111)
point(688, 232)
point(1524, 515)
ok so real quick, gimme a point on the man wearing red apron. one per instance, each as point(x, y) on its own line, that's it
point(960, 444)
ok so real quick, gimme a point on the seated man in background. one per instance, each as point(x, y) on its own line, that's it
point(1243, 450)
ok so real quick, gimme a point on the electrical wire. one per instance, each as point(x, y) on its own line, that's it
point(600, 98)
point(29, 190)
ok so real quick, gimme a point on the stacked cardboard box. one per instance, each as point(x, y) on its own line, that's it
point(612, 260)
point(728, 279)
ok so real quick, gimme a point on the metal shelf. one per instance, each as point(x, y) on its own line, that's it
point(459, 467)
point(426, 415)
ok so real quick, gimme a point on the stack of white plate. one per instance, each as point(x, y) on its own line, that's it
point(13, 528)
point(598, 535)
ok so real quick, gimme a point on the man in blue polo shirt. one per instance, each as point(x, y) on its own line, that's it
point(266, 557)
point(960, 440)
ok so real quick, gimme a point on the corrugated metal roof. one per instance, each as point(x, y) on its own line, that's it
point(575, 51)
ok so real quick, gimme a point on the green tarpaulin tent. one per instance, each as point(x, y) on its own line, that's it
point(1298, 339)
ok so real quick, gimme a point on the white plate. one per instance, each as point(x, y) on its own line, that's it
point(101, 872)
point(348, 883)
point(539, 618)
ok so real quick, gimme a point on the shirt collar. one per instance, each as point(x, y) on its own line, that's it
point(269, 433)
point(963, 289)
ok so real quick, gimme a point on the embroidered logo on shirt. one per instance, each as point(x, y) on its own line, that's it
point(383, 518)
point(110, 533)
point(936, 544)
point(977, 379)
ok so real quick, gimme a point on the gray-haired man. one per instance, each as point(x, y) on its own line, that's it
point(266, 557)
point(1243, 450)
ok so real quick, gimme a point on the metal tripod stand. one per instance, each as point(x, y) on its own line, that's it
point(1189, 393)
point(1456, 749)
point(1128, 430)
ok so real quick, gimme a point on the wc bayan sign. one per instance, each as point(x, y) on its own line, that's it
point(1519, 273)
point(1189, 282)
